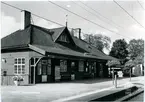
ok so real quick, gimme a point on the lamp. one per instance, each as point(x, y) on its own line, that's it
point(4, 60)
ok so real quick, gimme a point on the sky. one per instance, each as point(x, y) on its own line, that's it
point(114, 18)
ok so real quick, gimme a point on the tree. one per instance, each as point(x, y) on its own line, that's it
point(99, 41)
point(119, 50)
point(136, 50)
point(139, 59)
point(128, 67)
point(130, 64)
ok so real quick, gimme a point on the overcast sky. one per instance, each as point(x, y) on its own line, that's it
point(124, 24)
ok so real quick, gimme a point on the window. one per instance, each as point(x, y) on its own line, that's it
point(81, 66)
point(63, 65)
point(95, 67)
point(19, 66)
point(39, 68)
point(63, 38)
point(49, 67)
point(87, 66)
point(44, 69)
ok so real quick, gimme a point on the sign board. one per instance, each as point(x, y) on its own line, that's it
point(44, 78)
point(57, 73)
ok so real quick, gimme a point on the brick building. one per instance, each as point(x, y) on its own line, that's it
point(43, 55)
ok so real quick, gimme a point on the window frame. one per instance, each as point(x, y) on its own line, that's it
point(81, 66)
point(63, 67)
point(19, 66)
point(63, 38)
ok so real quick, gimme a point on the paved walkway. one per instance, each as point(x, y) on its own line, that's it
point(56, 91)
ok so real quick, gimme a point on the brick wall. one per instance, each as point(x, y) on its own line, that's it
point(8, 65)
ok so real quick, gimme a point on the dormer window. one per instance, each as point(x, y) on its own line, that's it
point(63, 38)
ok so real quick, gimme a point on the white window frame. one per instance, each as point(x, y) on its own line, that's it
point(63, 38)
point(19, 64)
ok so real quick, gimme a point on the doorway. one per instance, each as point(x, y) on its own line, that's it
point(41, 73)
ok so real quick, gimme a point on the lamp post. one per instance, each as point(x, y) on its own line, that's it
point(130, 73)
point(115, 73)
point(113, 76)
point(115, 81)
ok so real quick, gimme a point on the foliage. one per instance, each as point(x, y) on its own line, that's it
point(139, 60)
point(136, 48)
point(130, 64)
point(99, 41)
point(119, 50)
point(113, 63)
point(18, 78)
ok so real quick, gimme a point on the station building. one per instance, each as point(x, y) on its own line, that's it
point(44, 55)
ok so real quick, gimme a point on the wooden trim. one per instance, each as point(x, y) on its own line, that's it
point(59, 35)
point(37, 49)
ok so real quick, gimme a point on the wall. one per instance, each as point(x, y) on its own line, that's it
point(8, 65)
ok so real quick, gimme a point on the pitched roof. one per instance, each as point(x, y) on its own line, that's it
point(57, 32)
point(30, 35)
point(41, 37)
point(18, 38)
point(63, 51)
point(43, 40)
point(91, 49)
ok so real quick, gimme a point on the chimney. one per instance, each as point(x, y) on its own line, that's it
point(25, 19)
point(76, 32)
point(72, 32)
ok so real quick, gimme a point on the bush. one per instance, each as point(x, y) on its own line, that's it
point(18, 78)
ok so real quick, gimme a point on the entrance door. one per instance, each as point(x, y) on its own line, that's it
point(44, 71)
point(31, 74)
point(57, 73)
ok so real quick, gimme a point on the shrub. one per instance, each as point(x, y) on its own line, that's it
point(18, 78)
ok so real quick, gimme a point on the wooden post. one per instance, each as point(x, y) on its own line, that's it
point(130, 74)
point(34, 76)
point(115, 81)
point(113, 76)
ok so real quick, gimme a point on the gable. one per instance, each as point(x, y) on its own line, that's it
point(56, 32)
point(65, 37)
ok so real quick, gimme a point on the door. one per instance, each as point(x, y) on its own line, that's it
point(31, 74)
point(57, 73)
point(43, 71)
point(74, 69)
